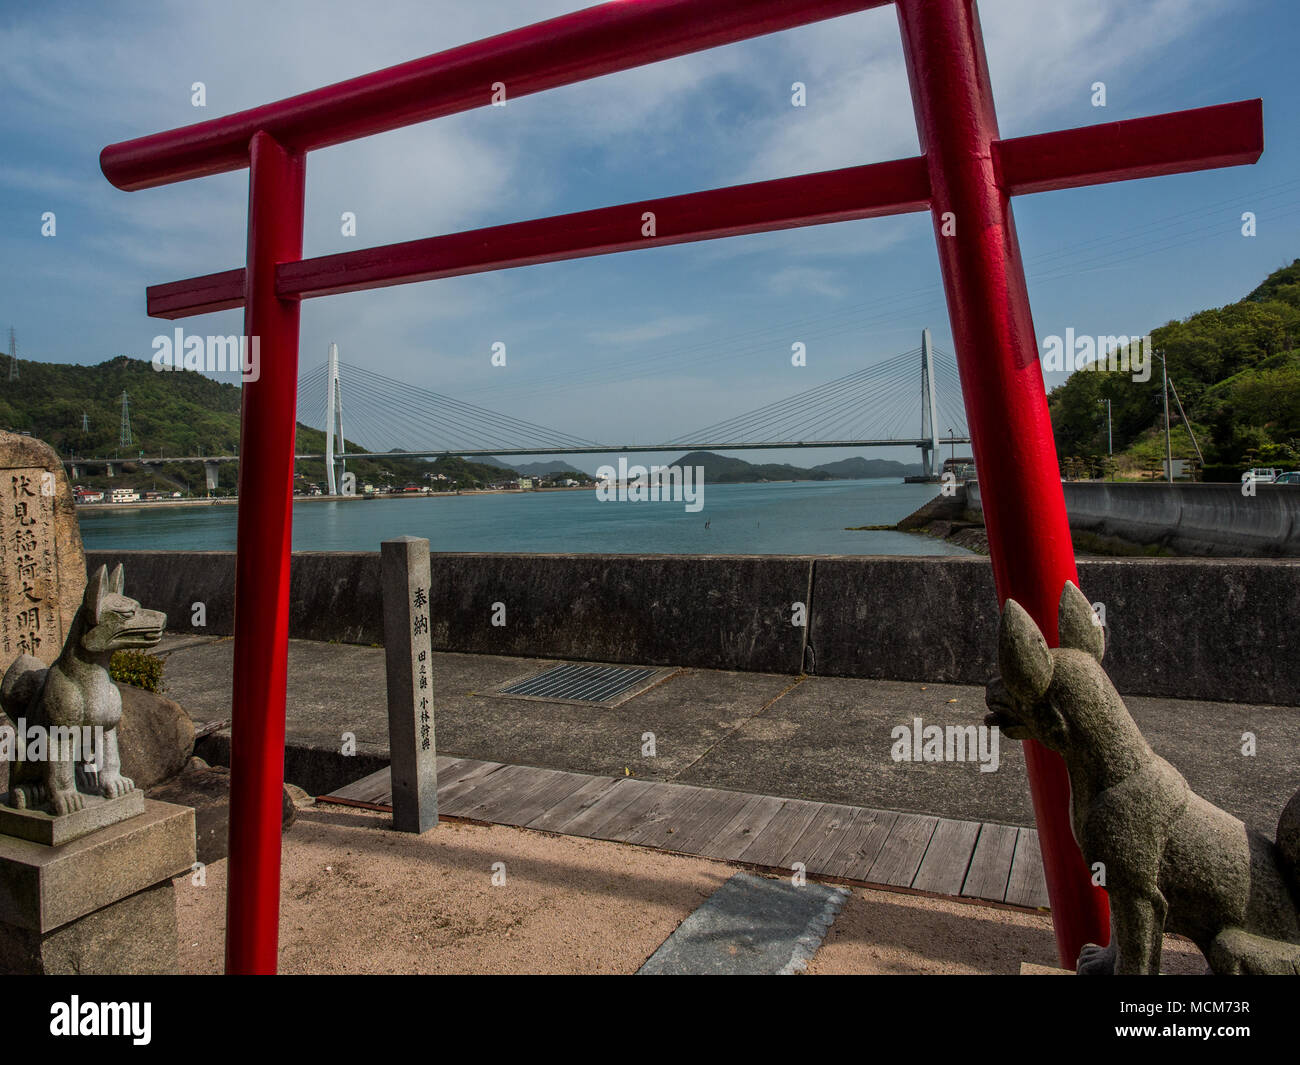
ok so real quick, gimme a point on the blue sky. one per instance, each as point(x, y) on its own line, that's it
point(647, 345)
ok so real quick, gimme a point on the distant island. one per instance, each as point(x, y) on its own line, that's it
point(720, 469)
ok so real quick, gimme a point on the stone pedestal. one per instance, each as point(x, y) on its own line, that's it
point(100, 904)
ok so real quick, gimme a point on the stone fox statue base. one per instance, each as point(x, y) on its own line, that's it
point(74, 693)
point(1171, 861)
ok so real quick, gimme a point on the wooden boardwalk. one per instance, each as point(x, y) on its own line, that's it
point(999, 863)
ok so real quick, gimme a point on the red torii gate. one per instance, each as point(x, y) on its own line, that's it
point(965, 176)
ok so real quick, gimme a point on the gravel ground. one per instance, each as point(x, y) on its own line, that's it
point(360, 898)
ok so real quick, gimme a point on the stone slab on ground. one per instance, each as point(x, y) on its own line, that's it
point(751, 926)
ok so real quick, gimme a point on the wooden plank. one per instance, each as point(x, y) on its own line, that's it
point(590, 821)
point(1027, 886)
point(650, 805)
point(455, 794)
point(504, 789)
point(571, 805)
point(990, 865)
point(772, 842)
point(861, 845)
point(659, 826)
point(373, 788)
point(947, 857)
point(558, 788)
point(900, 857)
point(997, 862)
point(701, 824)
point(820, 839)
point(734, 833)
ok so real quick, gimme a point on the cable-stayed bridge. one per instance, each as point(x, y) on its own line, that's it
point(911, 399)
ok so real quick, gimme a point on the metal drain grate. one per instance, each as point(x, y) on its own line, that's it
point(581, 684)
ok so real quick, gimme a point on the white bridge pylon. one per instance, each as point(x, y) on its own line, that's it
point(334, 444)
point(931, 460)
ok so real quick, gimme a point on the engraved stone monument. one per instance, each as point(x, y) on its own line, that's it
point(42, 567)
point(404, 564)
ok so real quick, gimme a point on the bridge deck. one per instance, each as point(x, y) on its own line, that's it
point(999, 863)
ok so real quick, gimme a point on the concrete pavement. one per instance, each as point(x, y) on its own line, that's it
point(820, 738)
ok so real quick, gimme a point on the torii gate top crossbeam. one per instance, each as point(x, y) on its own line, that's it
point(560, 51)
point(966, 177)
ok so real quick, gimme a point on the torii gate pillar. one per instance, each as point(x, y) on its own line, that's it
point(265, 537)
point(1006, 405)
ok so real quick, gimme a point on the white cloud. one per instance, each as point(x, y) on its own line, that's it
point(657, 329)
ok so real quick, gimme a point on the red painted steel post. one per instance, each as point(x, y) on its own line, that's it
point(997, 355)
point(267, 423)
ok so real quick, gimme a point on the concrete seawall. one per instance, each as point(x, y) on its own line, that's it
point(1192, 519)
point(1220, 629)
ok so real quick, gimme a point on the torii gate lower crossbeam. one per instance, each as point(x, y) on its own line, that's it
point(966, 177)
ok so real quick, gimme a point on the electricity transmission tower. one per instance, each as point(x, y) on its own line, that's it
point(13, 355)
point(125, 438)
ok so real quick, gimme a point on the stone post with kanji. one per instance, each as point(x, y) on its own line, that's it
point(404, 565)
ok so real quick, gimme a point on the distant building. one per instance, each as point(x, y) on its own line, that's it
point(124, 495)
point(89, 495)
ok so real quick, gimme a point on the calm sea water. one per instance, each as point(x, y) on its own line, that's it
point(805, 518)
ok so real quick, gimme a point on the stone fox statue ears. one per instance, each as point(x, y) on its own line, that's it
point(100, 586)
point(1024, 659)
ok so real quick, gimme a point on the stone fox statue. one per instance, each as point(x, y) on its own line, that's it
point(76, 694)
point(1172, 861)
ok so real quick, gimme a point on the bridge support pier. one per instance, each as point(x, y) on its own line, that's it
point(212, 475)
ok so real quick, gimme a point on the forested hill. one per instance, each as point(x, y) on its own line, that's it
point(1236, 370)
point(172, 413)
